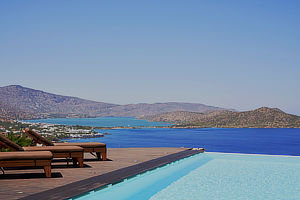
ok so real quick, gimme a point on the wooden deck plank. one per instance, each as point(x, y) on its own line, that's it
point(121, 162)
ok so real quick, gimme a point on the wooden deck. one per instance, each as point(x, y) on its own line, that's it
point(122, 162)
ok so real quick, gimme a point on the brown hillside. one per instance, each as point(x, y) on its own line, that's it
point(260, 118)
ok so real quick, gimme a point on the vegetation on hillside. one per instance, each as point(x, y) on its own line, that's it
point(21, 140)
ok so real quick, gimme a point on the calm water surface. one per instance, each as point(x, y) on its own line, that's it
point(242, 140)
point(102, 122)
point(212, 176)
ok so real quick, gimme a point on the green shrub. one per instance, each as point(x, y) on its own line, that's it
point(23, 141)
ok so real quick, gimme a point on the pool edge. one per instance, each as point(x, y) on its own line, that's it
point(80, 187)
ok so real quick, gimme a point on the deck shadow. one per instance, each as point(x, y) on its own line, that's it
point(95, 160)
point(70, 166)
point(29, 175)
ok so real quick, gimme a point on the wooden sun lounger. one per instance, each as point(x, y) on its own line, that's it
point(27, 159)
point(97, 147)
point(74, 152)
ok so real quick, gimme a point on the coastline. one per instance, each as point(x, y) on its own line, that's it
point(174, 125)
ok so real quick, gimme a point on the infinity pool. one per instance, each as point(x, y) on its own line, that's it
point(212, 176)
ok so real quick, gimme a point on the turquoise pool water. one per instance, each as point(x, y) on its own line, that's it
point(213, 176)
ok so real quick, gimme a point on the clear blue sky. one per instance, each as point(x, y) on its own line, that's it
point(233, 54)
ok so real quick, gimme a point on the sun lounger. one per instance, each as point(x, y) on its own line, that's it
point(97, 147)
point(74, 152)
point(27, 159)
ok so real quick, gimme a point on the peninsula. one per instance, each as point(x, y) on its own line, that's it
point(260, 118)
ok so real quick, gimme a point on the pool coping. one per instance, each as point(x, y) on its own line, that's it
point(78, 188)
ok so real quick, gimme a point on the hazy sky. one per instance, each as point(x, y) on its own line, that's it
point(233, 54)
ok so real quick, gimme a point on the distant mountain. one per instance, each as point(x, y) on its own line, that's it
point(144, 109)
point(39, 104)
point(17, 102)
point(260, 118)
point(9, 112)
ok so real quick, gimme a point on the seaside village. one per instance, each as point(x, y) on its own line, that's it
point(55, 132)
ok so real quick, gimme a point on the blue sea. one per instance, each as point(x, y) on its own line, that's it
point(277, 141)
point(101, 122)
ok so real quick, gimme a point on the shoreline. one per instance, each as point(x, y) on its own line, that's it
point(172, 125)
point(140, 127)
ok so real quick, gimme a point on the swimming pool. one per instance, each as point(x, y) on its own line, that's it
point(212, 176)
